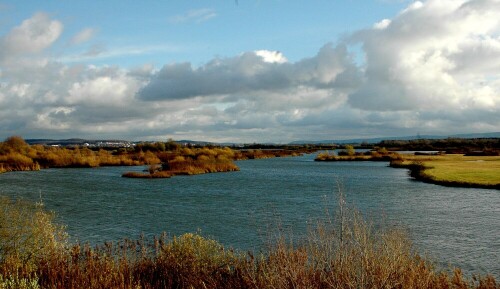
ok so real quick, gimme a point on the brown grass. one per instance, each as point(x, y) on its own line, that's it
point(377, 155)
point(191, 162)
point(17, 155)
point(344, 251)
point(266, 154)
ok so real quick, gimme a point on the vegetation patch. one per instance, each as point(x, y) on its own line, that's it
point(191, 161)
point(349, 154)
point(454, 170)
point(163, 160)
point(458, 170)
point(343, 251)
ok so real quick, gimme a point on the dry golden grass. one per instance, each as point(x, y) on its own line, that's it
point(266, 154)
point(191, 162)
point(380, 155)
point(17, 155)
point(344, 251)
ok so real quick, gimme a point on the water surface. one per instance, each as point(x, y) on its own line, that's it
point(455, 226)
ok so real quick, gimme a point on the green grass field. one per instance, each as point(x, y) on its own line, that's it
point(460, 169)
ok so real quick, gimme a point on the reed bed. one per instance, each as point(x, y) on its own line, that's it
point(190, 162)
point(340, 251)
point(17, 155)
point(377, 155)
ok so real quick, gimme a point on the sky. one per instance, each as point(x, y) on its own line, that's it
point(248, 71)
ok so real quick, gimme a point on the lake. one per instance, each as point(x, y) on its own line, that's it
point(454, 226)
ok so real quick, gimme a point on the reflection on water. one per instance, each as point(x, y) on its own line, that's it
point(452, 225)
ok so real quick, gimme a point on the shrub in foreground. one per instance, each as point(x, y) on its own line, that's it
point(341, 252)
point(28, 236)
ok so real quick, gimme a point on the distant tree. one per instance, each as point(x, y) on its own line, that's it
point(172, 145)
point(14, 144)
point(350, 150)
point(160, 146)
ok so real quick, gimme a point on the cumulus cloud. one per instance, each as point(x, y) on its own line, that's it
point(433, 69)
point(252, 72)
point(271, 56)
point(33, 35)
point(433, 55)
point(40, 96)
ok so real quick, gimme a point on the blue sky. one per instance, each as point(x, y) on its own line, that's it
point(158, 32)
point(248, 71)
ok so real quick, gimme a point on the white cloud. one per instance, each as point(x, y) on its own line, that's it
point(100, 52)
point(382, 24)
point(83, 36)
point(251, 73)
point(271, 56)
point(197, 16)
point(33, 35)
point(433, 68)
point(439, 54)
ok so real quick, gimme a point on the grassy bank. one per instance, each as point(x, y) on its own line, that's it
point(454, 170)
point(345, 251)
point(458, 170)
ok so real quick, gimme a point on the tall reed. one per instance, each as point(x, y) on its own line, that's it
point(343, 250)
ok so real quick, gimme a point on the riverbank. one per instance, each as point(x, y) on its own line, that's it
point(453, 170)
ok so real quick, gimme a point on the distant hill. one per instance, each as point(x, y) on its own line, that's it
point(79, 141)
point(379, 139)
point(72, 141)
point(195, 142)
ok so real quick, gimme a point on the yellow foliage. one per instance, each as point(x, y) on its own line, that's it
point(198, 252)
point(27, 234)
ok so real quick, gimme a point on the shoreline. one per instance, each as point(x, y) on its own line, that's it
point(418, 169)
point(417, 172)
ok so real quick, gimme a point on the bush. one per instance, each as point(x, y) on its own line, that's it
point(27, 235)
point(343, 251)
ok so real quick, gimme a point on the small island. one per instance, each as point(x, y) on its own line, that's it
point(161, 159)
point(189, 162)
